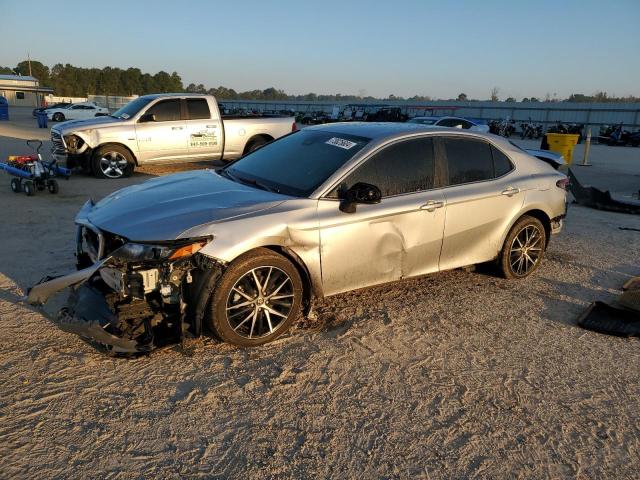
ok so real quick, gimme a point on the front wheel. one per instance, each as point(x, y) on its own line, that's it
point(16, 185)
point(58, 117)
point(112, 161)
point(257, 299)
point(523, 248)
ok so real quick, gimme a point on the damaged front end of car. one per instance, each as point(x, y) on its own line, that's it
point(129, 296)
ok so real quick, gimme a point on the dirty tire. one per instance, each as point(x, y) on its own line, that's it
point(58, 117)
point(112, 161)
point(52, 186)
point(29, 188)
point(242, 315)
point(255, 144)
point(523, 248)
point(16, 185)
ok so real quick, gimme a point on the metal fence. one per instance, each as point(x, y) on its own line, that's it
point(590, 114)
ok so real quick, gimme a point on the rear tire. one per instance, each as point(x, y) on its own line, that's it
point(523, 248)
point(16, 185)
point(257, 299)
point(112, 161)
point(29, 188)
point(254, 144)
point(52, 186)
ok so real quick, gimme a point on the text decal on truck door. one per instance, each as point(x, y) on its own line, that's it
point(203, 138)
point(341, 142)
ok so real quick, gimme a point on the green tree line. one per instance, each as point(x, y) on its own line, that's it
point(69, 81)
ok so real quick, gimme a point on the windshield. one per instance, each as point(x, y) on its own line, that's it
point(131, 108)
point(298, 163)
point(423, 121)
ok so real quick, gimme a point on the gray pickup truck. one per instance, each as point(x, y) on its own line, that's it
point(162, 128)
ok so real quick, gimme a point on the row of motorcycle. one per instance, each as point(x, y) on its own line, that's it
point(616, 135)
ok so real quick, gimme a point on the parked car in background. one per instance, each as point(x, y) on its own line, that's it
point(166, 127)
point(452, 122)
point(325, 210)
point(75, 111)
point(53, 105)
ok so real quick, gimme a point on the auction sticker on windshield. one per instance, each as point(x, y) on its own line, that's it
point(341, 142)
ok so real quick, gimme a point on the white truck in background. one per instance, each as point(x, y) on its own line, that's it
point(162, 128)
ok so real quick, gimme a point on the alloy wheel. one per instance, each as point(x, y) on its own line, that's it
point(113, 164)
point(526, 250)
point(260, 302)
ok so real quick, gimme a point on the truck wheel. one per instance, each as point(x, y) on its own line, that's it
point(29, 188)
point(254, 144)
point(257, 299)
point(523, 248)
point(58, 117)
point(112, 161)
point(16, 185)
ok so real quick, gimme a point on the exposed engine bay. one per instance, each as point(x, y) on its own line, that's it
point(133, 297)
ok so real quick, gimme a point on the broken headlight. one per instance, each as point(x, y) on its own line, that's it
point(143, 252)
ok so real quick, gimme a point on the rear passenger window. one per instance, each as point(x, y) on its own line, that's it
point(166, 110)
point(404, 167)
point(501, 163)
point(198, 108)
point(468, 160)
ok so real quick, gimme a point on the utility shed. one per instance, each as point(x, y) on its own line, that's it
point(22, 91)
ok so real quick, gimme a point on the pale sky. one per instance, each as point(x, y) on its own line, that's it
point(401, 47)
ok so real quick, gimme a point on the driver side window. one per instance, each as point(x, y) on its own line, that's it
point(404, 167)
point(166, 110)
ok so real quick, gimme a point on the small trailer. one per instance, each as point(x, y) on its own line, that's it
point(31, 173)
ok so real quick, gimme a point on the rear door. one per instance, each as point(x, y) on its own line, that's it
point(165, 138)
point(483, 194)
point(203, 128)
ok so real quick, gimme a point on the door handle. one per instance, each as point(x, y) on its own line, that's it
point(176, 128)
point(431, 206)
point(510, 191)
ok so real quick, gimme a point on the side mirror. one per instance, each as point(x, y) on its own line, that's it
point(361, 192)
point(458, 126)
point(148, 117)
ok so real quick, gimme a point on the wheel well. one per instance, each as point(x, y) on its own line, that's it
point(307, 288)
point(135, 160)
point(261, 136)
point(544, 219)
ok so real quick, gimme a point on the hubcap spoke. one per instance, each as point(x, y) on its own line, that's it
point(526, 249)
point(260, 302)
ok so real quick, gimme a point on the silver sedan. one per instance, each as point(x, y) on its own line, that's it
point(241, 251)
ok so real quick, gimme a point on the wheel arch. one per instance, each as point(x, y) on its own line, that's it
point(535, 212)
point(259, 136)
point(118, 144)
point(308, 290)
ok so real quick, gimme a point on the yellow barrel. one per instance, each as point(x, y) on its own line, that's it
point(563, 143)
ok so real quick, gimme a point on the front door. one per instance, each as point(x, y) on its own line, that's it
point(397, 238)
point(164, 138)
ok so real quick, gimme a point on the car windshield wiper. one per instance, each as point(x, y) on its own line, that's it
point(247, 181)
point(256, 183)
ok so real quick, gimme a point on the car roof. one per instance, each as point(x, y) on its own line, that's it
point(153, 96)
point(390, 130)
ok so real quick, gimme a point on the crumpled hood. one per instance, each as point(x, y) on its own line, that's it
point(162, 208)
point(79, 125)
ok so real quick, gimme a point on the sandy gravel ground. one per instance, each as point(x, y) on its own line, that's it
point(455, 375)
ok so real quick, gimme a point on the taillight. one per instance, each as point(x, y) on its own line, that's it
point(563, 183)
point(294, 127)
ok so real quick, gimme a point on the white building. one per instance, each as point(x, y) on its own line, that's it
point(23, 91)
